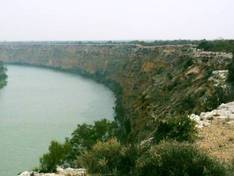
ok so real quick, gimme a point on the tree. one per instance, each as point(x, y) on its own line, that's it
point(55, 156)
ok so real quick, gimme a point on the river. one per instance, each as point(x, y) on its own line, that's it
point(39, 105)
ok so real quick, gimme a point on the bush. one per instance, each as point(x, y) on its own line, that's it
point(177, 159)
point(231, 72)
point(187, 104)
point(55, 156)
point(83, 139)
point(85, 136)
point(218, 96)
point(109, 158)
point(3, 75)
point(179, 128)
point(103, 158)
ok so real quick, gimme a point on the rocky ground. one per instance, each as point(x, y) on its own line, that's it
point(216, 132)
point(60, 172)
point(224, 113)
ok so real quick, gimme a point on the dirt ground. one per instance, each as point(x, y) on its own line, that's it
point(218, 140)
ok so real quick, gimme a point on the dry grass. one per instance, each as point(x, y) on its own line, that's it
point(218, 140)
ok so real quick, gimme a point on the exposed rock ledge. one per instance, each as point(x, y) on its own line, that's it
point(223, 112)
point(60, 172)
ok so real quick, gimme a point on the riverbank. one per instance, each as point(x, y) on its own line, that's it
point(57, 101)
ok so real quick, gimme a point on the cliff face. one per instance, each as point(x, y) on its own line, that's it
point(156, 80)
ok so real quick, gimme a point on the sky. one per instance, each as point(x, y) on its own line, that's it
point(41, 20)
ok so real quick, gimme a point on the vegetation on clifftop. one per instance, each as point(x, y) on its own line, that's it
point(222, 46)
point(3, 75)
point(96, 148)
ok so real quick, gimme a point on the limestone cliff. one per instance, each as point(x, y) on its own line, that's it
point(155, 80)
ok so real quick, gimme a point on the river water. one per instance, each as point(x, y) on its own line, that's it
point(39, 105)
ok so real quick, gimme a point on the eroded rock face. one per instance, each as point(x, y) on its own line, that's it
point(210, 54)
point(60, 172)
point(219, 78)
point(223, 112)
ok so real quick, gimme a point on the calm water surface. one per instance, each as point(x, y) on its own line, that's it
point(39, 105)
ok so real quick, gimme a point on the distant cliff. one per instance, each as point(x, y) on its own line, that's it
point(150, 82)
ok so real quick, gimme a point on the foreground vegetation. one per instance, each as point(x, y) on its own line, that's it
point(97, 148)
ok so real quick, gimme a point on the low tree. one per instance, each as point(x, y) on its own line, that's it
point(85, 136)
point(55, 156)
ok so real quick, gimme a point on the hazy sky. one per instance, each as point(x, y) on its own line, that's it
point(115, 19)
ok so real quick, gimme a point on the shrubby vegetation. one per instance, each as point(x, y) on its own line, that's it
point(3, 75)
point(217, 45)
point(165, 42)
point(103, 158)
point(56, 156)
point(177, 159)
point(180, 128)
point(96, 148)
point(82, 140)
point(221, 46)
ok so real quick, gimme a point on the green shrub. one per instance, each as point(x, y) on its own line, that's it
point(85, 136)
point(206, 45)
point(179, 128)
point(187, 104)
point(217, 45)
point(55, 156)
point(109, 158)
point(3, 75)
point(231, 72)
point(187, 63)
point(103, 158)
point(177, 159)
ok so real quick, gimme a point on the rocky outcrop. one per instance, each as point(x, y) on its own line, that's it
point(223, 112)
point(219, 78)
point(60, 172)
point(198, 53)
